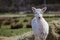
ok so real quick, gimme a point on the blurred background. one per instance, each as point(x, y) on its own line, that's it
point(25, 5)
point(16, 16)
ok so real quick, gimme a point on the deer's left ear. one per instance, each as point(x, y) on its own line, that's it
point(44, 9)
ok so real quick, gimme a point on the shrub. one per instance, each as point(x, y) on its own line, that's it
point(14, 17)
point(25, 20)
point(16, 20)
point(54, 31)
point(16, 26)
point(7, 23)
point(28, 26)
point(0, 23)
point(2, 18)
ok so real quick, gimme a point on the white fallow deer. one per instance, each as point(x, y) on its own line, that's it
point(39, 26)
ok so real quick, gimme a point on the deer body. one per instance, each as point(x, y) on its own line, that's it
point(39, 26)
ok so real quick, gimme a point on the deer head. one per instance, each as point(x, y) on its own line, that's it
point(38, 12)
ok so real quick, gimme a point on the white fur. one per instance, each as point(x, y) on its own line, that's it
point(39, 26)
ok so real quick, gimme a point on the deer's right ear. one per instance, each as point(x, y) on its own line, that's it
point(33, 8)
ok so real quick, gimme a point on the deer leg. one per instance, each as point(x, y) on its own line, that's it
point(35, 37)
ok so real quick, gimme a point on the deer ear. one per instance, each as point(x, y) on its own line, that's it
point(33, 8)
point(44, 9)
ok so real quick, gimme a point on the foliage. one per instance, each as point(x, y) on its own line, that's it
point(17, 26)
point(25, 20)
point(13, 32)
point(6, 30)
point(28, 26)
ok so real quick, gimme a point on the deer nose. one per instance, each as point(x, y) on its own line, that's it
point(39, 17)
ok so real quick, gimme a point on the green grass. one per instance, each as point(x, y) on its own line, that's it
point(51, 19)
point(13, 32)
point(6, 31)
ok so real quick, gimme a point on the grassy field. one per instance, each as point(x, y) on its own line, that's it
point(6, 31)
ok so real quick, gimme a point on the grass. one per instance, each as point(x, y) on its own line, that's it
point(6, 31)
point(13, 32)
point(51, 19)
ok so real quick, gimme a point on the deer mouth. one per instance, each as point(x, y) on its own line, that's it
point(38, 17)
